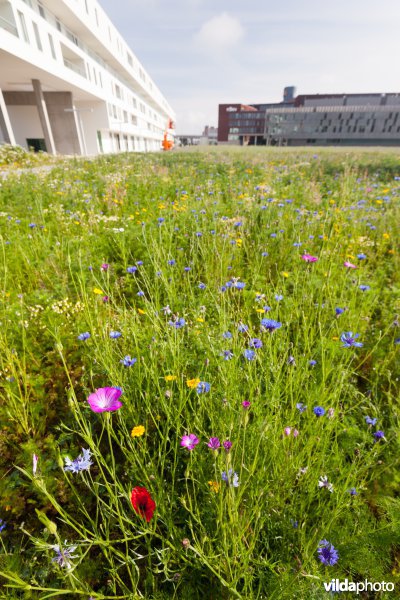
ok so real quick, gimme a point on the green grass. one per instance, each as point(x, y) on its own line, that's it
point(230, 215)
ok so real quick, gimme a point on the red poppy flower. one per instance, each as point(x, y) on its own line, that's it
point(143, 504)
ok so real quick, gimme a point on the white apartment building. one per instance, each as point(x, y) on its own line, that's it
point(70, 84)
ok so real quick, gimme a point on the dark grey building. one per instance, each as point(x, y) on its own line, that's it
point(321, 119)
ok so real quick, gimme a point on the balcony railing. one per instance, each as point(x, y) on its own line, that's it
point(74, 67)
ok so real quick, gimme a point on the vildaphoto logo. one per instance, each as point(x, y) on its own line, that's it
point(335, 585)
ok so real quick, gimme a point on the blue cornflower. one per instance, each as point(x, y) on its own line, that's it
point(81, 463)
point(364, 288)
point(131, 269)
point(227, 335)
point(239, 285)
point(361, 256)
point(348, 339)
point(202, 286)
point(256, 343)
point(203, 387)
point(227, 354)
point(266, 308)
point(291, 361)
point(83, 336)
point(352, 491)
point(312, 363)
point(231, 478)
point(115, 334)
point(178, 323)
point(300, 407)
point(64, 555)
point(264, 253)
point(370, 420)
point(139, 263)
point(270, 324)
point(327, 553)
point(140, 293)
point(278, 297)
point(242, 328)
point(187, 269)
point(171, 263)
point(127, 361)
point(379, 435)
point(339, 311)
point(249, 354)
point(319, 411)
point(2, 525)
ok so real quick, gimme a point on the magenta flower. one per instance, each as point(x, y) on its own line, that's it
point(214, 443)
point(349, 265)
point(287, 430)
point(246, 404)
point(227, 444)
point(309, 258)
point(189, 441)
point(105, 400)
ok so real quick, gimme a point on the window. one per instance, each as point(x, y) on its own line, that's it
point(41, 11)
point(52, 49)
point(58, 25)
point(97, 17)
point(86, 7)
point(37, 36)
point(23, 26)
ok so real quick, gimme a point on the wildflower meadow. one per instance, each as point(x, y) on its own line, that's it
point(199, 375)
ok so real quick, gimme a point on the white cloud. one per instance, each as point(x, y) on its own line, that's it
point(220, 33)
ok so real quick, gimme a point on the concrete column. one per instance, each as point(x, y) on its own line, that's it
point(5, 123)
point(44, 117)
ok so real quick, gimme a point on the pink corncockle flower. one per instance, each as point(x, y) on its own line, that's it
point(189, 441)
point(287, 430)
point(104, 267)
point(295, 433)
point(309, 258)
point(105, 399)
point(349, 265)
point(214, 443)
point(246, 404)
point(35, 460)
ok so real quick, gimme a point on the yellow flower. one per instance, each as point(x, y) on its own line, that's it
point(214, 485)
point(170, 377)
point(285, 274)
point(137, 431)
point(200, 320)
point(192, 383)
point(335, 337)
point(386, 236)
point(98, 291)
point(260, 310)
point(140, 311)
point(239, 242)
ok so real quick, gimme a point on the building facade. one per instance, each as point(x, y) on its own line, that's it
point(319, 119)
point(70, 84)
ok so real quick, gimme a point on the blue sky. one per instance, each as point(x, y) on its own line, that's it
point(204, 52)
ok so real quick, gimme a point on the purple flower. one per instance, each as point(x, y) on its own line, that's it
point(189, 441)
point(105, 400)
point(64, 555)
point(115, 335)
point(105, 267)
point(82, 463)
point(127, 361)
point(178, 323)
point(84, 336)
point(319, 411)
point(349, 340)
point(256, 343)
point(214, 443)
point(352, 491)
point(327, 553)
point(131, 269)
point(246, 404)
point(231, 478)
point(270, 324)
point(203, 387)
point(364, 288)
point(227, 354)
point(379, 435)
point(227, 444)
point(370, 420)
point(300, 407)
